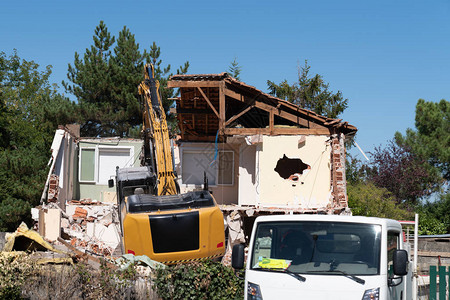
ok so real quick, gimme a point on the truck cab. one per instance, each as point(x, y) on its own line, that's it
point(325, 257)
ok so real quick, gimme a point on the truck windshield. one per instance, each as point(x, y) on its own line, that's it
point(318, 247)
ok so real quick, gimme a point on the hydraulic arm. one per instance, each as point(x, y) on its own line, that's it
point(157, 220)
point(157, 149)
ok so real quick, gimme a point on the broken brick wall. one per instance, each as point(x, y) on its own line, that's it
point(338, 178)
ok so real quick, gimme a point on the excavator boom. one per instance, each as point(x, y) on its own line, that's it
point(155, 128)
point(157, 220)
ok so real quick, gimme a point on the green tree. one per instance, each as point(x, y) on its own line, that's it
point(235, 69)
point(366, 199)
point(401, 171)
point(105, 83)
point(434, 217)
point(30, 111)
point(310, 93)
point(163, 74)
point(431, 139)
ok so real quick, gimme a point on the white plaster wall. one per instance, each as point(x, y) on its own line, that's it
point(224, 194)
point(314, 192)
point(248, 194)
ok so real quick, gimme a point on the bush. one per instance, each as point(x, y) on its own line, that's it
point(199, 280)
point(366, 199)
point(14, 271)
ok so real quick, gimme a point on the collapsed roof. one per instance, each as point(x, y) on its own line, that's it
point(212, 104)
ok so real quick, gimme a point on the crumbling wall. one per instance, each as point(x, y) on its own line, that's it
point(308, 187)
point(338, 178)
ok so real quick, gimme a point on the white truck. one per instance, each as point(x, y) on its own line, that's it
point(325, 257)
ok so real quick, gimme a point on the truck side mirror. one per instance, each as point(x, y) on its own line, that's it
point(111, 183)
point(237, 257)
point(400, 262)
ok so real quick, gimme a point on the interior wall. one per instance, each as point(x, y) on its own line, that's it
point(224, 194)
point(312, 189)
point(248, 194)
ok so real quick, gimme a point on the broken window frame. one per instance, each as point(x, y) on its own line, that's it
point(218, 180)
point(97, 152)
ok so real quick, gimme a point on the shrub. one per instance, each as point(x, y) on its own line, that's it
point(14, 270)
point(198, 280)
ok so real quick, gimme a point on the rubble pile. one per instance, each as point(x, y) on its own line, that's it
point(91, 226)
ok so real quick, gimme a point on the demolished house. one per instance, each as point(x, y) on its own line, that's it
point(260, 154)
point(77, 203)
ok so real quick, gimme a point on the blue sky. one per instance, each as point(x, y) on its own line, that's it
point(382, 55)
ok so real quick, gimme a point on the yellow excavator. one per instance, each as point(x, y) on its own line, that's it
point(156, 220)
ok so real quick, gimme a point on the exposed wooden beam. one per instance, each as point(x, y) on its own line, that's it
point(271, 117)
point(288, 116)
point(301, 131)
point(191, 84)
point(246, 131)
point(238, 115)
point(278, 112)
point(209, 102)
point(195, 138)
point(234, 95)
point(193, 111)
point(276, 131)
point(222, 107)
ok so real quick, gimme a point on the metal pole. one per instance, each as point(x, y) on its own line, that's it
point(416, 244)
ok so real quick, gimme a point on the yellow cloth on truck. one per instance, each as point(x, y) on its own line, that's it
point(274, 263)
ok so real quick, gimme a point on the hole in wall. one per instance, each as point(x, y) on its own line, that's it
point(291, 168)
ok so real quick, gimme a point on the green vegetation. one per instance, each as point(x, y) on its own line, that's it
point(310, 93)
point(200, 280)
point(234, 69)
point(105, 82)
point(30, 111)
point(409, 175)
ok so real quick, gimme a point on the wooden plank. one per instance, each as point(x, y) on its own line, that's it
point(281, 113)
point(246, 131)
point(193, 83)
point(433, 253)
point(85, 255)
point(209, 102)
point(276, 131)
point(301, 131)
point(442, 282)
point(271, 117)
point(234, 95)
point(238, 115)
point(433, 283)
point(194, 138)
point(222, 107)
point(288, 116)
point(194, 111)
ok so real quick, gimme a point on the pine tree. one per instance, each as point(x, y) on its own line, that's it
point(163, 75)
point(235, 69)
point(92, 84)
point(127, 68)
point(310, 93)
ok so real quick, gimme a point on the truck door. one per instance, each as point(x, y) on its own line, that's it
point(395, 286)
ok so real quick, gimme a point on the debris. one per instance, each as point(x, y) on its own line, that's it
point(24, 239)
point(127, 259)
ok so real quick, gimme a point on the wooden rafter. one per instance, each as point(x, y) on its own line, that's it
point(222, 107)
point(281, 113)
point(192, 83)
point(276, 131)
point(238, 115)
point(209, 102)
